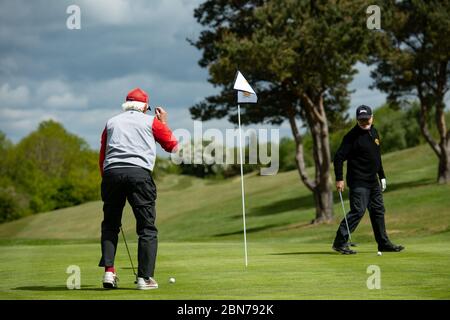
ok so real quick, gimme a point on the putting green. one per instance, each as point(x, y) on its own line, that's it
point(277, 270)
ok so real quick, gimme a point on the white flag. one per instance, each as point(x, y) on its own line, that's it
point(247, 97)
point(246, 94)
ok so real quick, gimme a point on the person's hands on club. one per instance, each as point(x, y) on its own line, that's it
point(383, 184)
point(161, 114)
point(340, 186)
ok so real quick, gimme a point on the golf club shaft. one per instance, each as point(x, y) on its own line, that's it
point(129, 256)
point(345, 216)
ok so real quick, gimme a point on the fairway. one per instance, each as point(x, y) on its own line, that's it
point(201, 243)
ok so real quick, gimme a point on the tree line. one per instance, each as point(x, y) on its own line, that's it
point(300, 55)
point(52, 168)
point(399, 128)
point(48, 169)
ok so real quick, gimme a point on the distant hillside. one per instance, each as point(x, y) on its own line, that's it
point(277, 206)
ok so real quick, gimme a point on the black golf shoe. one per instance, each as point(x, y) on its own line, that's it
point(391, 248)
point(344, 249)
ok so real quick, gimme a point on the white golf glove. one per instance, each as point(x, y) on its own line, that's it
point(383, 185)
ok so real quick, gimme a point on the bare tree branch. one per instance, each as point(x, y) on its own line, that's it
point(324, 137)
point(424, 124)
point(311, 108)
point(299, 156)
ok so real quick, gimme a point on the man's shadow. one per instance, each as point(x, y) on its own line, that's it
point(64, 288)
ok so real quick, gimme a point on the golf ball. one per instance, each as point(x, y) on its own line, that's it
point(172, 280)
point(379, 253)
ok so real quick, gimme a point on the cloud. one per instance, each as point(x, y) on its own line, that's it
point(165, 15)
point(372, 98)
point(363, 95)
point(112, 12)
point(117, 37)
point(8, 65)
point(66, 100)
point(19, 122)
point(16, 97)
point(22, 108)
point(81, 77)
point(58, 94)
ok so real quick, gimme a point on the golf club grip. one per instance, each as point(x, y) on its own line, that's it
point(345, 216)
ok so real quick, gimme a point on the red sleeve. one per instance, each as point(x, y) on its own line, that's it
point(102, 151)
point(164, 136)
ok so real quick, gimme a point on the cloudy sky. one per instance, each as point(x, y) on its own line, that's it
point(81, 77)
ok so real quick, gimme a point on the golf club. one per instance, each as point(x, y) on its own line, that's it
point(346, 222)
point(129, 256)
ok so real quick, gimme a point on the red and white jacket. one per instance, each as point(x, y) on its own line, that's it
point(128, 140)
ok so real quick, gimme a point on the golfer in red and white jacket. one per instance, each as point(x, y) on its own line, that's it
point(127, 158)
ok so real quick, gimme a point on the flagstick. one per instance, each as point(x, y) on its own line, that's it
point(242, 184)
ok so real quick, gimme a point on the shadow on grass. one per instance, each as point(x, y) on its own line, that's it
point(45, 242)
point(391, 187)
point(302, 253)
point(307, 201)
point(64, 288)
point(249, 230)
point(297, 203)
point(409, 184)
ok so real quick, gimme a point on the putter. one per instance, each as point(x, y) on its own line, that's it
point(346, 222)
point(129, 256)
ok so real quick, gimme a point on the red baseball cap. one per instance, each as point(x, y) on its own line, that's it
point(137, 94)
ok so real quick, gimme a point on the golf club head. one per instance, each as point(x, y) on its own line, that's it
point(352, 244)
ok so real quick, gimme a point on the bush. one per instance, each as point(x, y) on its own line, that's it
point(398, 128)
point(12, 204)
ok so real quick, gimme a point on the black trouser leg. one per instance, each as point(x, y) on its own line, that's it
point(148, 240)
point(142, 195)
point(359, 200)
point(376, 212)
point(113, 202)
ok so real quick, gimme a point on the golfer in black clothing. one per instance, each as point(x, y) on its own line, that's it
point(361, 148)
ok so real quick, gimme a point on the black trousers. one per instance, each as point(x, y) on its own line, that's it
point(136, 185)
point(362, 198)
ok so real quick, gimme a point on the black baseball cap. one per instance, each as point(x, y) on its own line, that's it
point(363, 112)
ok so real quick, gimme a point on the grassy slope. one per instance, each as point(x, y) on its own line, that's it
point(277, 206)
point(200, 242)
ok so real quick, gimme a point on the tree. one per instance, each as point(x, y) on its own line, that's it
point(12, 204)
point(398, 127)
point(5, 151)
point(412, 57)
point(300, 57)
point(55, 168)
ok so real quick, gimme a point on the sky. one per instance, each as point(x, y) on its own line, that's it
point(81, 77)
